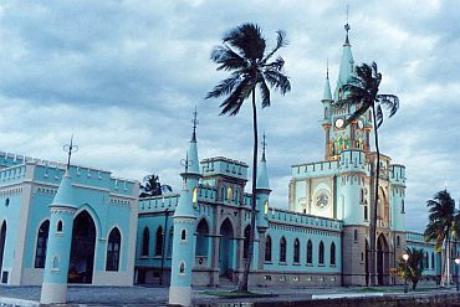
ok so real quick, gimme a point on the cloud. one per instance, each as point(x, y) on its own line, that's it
point(124, 77)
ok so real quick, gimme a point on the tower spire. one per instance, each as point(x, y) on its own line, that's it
point(327, 95)
point(195, 124)
point(264, 144)
point(70, 148)
point(347, 29)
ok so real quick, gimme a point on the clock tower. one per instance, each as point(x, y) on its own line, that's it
point(339, 137)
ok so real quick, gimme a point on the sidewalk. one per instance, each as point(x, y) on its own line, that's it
point(132, 296)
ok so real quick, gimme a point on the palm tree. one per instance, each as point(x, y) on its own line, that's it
point(153, 187)
point(363, 92)
point(441, 226)
point(243, 53)
point(413, 269)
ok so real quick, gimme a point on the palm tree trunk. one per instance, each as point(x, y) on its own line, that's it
point(373, 221)
point(243, 286)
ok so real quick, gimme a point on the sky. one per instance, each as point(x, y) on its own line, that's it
point(125, 76)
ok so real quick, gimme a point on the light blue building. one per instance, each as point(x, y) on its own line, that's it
point(101, 242)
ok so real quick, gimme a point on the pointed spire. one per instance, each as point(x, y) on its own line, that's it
point(346, 64)
point(327, 86)
point(262, 176)
point(193, 164)
point(65, 193)
point(195, 124)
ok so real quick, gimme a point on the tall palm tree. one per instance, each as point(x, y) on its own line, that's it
point(362, 92)
point(243, 53)
point(441, 226)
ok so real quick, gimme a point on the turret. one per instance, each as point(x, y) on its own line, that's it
point(183, 256)
point(263, 190)
point(62, 210)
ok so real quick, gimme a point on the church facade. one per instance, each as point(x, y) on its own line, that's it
point(69, 224)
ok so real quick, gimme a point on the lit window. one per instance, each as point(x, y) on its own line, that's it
point(266, 207)
point(229, 193)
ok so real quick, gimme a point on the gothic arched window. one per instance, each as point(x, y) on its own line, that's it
point(247, 232)
point(159, 242)
point(283, 249)
point(202, 233)
point(145, 242)
point(355, 235)
point(332, 254)
point(113, 250)
point(42, 242)
point(321, 253)
point(268, 249)
point(398, 241)
point(432, 260)
point(183, 235)
point(309, 252)
point(296, 251)
point(426, 261)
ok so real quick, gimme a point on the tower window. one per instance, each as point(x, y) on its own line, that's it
point(59, 226)
point(182, 268)
point(366, 213)
point(7, 202)
point(355, 235)
point(183, 235)
point(402, 207)
point(268, 249)
point(398, 241)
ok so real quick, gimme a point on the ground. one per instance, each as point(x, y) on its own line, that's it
point(132, 296)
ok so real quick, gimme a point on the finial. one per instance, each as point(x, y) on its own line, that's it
point(327, 68)
point(264, 145)
point(347, 28)
point(195, 123)
point(70, 148)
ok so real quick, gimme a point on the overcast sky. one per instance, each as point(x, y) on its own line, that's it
point(124, 77)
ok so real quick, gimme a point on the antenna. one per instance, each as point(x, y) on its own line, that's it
point(70, 148)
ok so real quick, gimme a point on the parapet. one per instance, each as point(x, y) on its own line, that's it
point(398, 174)
point(354, 160)
point(224, 166)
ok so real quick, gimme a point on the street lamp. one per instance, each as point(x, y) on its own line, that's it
point(457, 262)
point(405, 257)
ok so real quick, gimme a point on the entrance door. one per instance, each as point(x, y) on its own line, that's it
point(226, 249)
point(82, 250)
point(2, 245)
point(382, 260)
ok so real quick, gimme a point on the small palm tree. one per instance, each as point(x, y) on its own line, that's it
point(153, 187)
point(413, 269)
point(441, 226)
point(362, 92)
point(243, 53)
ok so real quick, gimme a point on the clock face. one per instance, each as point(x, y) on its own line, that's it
point(322, 200)
point(339, 123)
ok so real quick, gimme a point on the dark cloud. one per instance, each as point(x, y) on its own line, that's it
point(124, 76)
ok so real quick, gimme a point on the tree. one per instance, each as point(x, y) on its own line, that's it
point(441, 226)
point(362, 92)
point(243, 53)
point(153, 187)
point(413, 269)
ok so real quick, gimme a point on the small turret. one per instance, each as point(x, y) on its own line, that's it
point(63, 208)
point(262, 176)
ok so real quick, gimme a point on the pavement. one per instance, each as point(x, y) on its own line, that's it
point(148, 296)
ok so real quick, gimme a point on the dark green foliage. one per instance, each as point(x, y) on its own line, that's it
point(153, 187)
point(413, 269)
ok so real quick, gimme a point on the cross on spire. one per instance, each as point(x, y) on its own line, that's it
point(195, 123)
point(264, 145)
point(70, 148)
point(347, 26)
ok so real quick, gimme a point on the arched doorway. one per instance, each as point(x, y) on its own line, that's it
point(2, 245)
point(382, 260)
point(82, 251)
point(226, 249)
point(202, 242)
